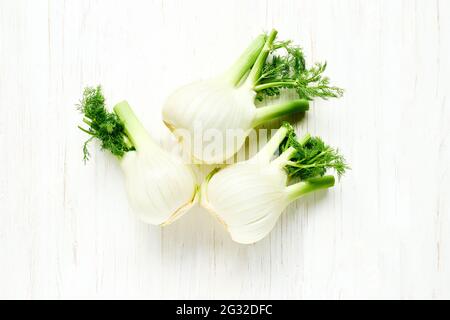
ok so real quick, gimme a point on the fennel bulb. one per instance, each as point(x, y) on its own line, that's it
point(249, 197)
point(225, 105)
point(159, 185)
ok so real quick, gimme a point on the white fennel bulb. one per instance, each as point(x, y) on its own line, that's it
point(159, 185)
point(211, 105)
point(213, 117)
point(249, 197)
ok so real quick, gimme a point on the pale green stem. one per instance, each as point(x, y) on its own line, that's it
point(242, 66)
point(283, 159)
point(305, 139)
point(306, 166)
point(87, 121)
point(259, 63)
point(273, 85)
point(299, 189)
point(265, 114)
point(84, 130)
point(272, 145)
point(134, 129)
point(127, 142)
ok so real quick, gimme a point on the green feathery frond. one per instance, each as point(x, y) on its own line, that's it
point(289, 71)
point(312, 157)
point(102, 124)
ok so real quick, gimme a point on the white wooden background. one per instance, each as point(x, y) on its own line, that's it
point(65, 227)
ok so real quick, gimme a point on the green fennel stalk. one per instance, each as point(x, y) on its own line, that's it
point(268, 67)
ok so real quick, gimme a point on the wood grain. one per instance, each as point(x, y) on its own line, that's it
point(66, 230)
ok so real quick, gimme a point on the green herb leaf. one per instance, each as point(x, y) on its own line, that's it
point(102, 124)
point(312, 157)
point(289, 71)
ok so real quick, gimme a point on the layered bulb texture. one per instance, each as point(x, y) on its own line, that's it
point(212, 118)
point(249, 197)
point(160, 187)
point(202, 126)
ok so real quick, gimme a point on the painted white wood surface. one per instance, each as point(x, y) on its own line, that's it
point(65, 228)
